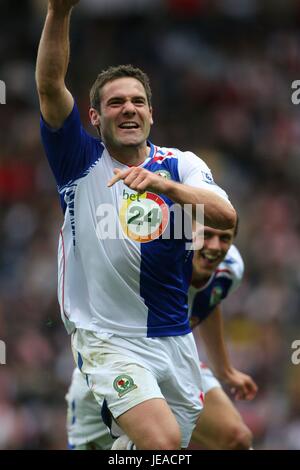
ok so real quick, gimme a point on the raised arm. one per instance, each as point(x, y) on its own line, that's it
point(211, 330)
point(56, 102)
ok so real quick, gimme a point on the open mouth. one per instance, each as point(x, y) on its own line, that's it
point(129, 125)
point(210, 257)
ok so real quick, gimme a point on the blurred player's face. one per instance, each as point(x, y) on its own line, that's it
point(125, 116)
point(215, 247)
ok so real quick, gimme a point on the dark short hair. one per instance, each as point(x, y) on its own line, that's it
point(113, 73)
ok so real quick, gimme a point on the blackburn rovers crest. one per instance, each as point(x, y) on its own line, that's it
point(124, 384)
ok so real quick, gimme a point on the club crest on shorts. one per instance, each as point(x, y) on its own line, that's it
point(124, 384)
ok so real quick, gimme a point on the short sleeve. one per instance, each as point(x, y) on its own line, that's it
point(69, 150)
point(235, 263)
point(193, 171)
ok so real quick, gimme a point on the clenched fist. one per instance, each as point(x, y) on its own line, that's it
point(62, 6)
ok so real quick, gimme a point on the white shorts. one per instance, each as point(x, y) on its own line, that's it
point(209, 381)
point(85, 426)
point(129, 371)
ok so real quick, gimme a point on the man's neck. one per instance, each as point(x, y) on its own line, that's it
point(130, 156)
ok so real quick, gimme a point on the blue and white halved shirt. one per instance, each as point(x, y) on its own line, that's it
point(128, 286)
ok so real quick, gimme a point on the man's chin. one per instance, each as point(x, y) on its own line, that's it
point(130, 143)
point(208, 270)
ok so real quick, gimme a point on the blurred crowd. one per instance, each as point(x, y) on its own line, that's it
point(221, 74)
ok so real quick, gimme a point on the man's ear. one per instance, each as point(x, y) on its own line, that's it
point(94, 117)
point(151, 119)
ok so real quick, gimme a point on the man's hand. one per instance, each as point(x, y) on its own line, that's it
point(62, 6)
point(241, 385)
point(140, 180)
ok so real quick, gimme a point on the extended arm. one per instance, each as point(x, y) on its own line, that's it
point(218, 212)
point(212, 334)
point(56, 102)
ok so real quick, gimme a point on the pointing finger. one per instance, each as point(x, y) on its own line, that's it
point(119, 174)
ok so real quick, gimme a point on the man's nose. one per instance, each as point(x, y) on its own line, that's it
point(129, 108)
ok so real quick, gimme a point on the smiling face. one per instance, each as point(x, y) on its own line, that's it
point(125, 117)
point(215, 247)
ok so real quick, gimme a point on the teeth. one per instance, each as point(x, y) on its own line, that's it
point(210, 257)
point(129, 125)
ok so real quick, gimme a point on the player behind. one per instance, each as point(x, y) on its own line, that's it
point(217, 271)
point(122, 290)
